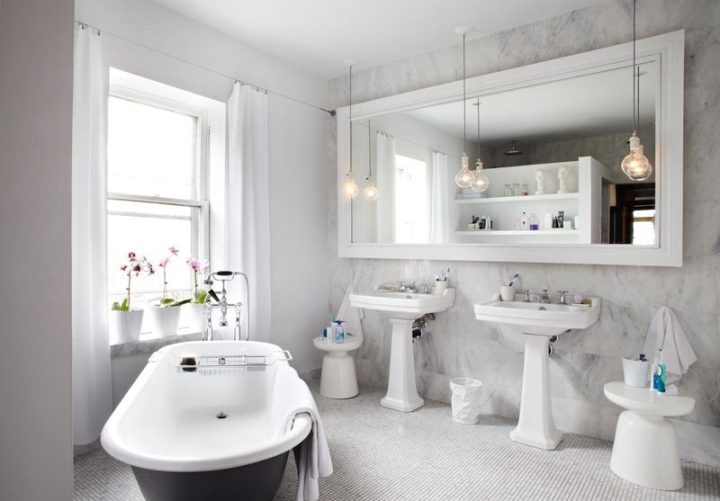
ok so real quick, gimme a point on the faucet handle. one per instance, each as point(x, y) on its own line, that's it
point(563, 298)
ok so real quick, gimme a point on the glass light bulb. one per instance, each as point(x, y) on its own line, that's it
point(480, 181)
point(371, 192)
point(464, 177)
point(350, 187)
point(636, 165)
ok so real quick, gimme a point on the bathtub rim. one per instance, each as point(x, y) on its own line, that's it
point(111, 438)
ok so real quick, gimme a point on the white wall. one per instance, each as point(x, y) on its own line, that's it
point(298, 149)
point(36, 51)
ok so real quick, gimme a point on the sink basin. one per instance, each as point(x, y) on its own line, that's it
point(539, 318)
point(409, 305)
point(402, 308)
point(538, 322)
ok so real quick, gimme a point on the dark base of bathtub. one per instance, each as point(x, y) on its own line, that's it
point(253, 482)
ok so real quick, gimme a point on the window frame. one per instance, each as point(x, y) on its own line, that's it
point(199, 205)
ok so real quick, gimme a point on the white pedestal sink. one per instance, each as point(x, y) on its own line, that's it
point(403, 308)
point(538, 322)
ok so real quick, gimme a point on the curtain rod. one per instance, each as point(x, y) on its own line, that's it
point(185, 61)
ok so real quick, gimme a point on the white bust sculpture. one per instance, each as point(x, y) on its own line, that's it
point(562, 176)
point(540, 181)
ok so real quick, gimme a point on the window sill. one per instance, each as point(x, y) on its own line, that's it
point(150, 342)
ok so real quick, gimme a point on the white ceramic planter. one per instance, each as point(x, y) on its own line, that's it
point(125, 326)
point(163, 321)
point(192, 317)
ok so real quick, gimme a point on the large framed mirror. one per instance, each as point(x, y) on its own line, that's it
point(551, 137)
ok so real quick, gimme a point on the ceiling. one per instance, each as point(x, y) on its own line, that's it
point(596, 104)
point(318, 35)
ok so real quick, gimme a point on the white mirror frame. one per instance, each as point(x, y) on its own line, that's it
point(667, 50)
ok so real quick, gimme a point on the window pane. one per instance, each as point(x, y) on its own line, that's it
point(412, 204)
point(151, 151)
point(643, 227)
point(149, 230)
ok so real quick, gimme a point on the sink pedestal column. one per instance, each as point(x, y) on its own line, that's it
point(536, 426)
point(402, 393)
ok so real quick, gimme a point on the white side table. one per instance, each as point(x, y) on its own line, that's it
point(645, 450)
point(338, 378)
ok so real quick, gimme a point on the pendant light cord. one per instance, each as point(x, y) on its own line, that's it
point(369, 153)
point(350, 120)
point(478, 129)
point(636, 75)
point(464, 98)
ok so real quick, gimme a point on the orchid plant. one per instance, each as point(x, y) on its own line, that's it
point(165, 300)
point(134, 266)
point(198, 266)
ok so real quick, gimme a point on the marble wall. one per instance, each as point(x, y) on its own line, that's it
point(583, 361)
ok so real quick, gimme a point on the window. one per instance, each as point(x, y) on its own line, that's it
point(643, 232)
point(412, 212)
point(156, 190)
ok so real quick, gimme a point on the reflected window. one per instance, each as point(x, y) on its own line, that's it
point(412, 205)
point(643, 232)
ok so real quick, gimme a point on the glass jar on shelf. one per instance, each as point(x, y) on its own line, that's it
point(508, 190)
point(516, 190)
point(524, 189)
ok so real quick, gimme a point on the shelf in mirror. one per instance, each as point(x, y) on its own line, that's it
point(519, 199)
point(524, 233)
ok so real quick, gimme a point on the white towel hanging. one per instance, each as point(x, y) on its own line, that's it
point(666, 332)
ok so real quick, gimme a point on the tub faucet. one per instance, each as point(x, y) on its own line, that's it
point(222, 304)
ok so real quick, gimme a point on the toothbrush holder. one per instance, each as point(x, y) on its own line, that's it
point(636, 372)
point(507, 292)
point(440, 286)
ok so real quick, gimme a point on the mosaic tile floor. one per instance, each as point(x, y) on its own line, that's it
point(380, 454)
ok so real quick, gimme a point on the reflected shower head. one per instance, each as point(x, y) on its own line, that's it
point(513, 149)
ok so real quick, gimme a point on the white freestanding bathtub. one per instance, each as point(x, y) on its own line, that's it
point(203, 435)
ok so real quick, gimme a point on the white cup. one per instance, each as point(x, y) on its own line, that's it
point(440, 286)
point(567, 225)
point(636, 372)
point(507, 292)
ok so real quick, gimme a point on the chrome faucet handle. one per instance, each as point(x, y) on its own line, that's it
point(563, 297)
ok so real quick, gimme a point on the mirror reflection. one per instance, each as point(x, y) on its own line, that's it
point(551, 156)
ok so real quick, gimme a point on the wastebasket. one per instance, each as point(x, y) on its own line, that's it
point(465, 399)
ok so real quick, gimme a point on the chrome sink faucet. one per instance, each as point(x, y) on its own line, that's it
point(408, 287)
point(222, 303)
point(544, 297)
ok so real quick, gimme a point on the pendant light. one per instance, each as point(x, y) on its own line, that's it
point(370, 192)
point(480, 181)
point(636, 165)
point(350, 187)
point(464, 178)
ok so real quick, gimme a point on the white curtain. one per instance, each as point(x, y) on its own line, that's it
point(439, 199)
point(248, 210)
point(385, 175)
point(92, 389)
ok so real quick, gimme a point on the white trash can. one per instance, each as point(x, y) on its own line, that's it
point(465, 399)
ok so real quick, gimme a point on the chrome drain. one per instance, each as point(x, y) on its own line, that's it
point(221, 415)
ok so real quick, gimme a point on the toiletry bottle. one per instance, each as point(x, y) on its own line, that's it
point(561, 219)
point(660, 374)
point(654, 369)
point(524, 221)
point(534, 222)
point(340, 331)
point(548, 221)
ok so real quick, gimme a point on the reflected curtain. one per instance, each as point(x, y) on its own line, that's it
point(385, 168)
point(439, 199)
point(248, 212)
point(92, 388)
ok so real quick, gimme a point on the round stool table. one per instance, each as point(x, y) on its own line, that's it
point(338, 378)
point(645, 450)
